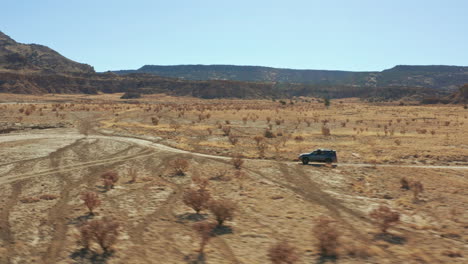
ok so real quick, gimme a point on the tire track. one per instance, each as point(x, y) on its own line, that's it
point(6, 235)
point(13, 178)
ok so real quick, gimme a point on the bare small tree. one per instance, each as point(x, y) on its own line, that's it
point(325, 130)
point(104, 232)
point(237, 162)
point(226, 130)
point(133, 173)
point(282, 253)
point(404, 184)
point(385, 216)
point(91, 200)
point(258, 139)
point(233, 139)
point(417, 188)
point(197, 199)
point(180, 166)
point(205, 231)
point(110, 178)
point(240, 176)
point(327, 237)
point(262, 147)
point(223, 210)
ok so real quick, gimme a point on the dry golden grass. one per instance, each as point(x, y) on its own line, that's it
point(275, 200)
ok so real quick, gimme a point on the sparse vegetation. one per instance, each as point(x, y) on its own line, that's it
point(205, 231)
point(283, 253)
point(327, 236)
point(103, 231)
point(417, 189)
point(197, 198)
point(271, 195)
point(179, 166)
point(223, 210)
point(237, 162)
point(385, 217)
point(91, 201)
point(110, 178)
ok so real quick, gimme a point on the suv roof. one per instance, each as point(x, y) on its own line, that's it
point(326, 150)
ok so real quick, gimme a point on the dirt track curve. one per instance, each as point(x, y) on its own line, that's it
point(51, 134)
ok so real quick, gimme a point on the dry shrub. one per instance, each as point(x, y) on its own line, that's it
point(405, 185)
point(258, 139)
point(110, 178)
point(221, 176)
point(180, 166)
point(197, 199)
point(240, 176)
point(262, 147)
point(226, 130)
point(30, 200)
point(223, 210)
point(233, 139)
point(154, 121)
point(48, 197)
point(417, 188)
point(91, 200)
point(237, 162)
point(452, 253)
point(421, 131)
point(104, 232)
point(269, 134)
point(327, 237)
point(205, 231)
point(133, 173)
point(282, 253)
point(299, 138)
point(201, 182)
point(385, 216)
point(325, 131)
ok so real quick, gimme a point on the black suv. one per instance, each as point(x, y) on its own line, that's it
point(323, 155)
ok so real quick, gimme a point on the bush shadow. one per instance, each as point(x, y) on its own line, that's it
point(191, 217)
point(325, 259)
point(81, 219)
point(222, 230)
point(390, 238)
point(86, 256)
point(195, 258)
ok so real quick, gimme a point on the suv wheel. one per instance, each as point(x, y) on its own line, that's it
point(305, 161)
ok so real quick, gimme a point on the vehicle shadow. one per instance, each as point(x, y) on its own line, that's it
point(320, 165)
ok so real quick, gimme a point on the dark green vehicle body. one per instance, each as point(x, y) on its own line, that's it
point(319, 155)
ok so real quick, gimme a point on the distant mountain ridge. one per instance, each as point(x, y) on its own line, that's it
point(32, 68)
point(430, 76)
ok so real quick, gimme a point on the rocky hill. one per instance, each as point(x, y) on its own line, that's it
point(436, 77)
point(15, 56)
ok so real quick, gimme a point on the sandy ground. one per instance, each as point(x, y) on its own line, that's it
point(276, 200)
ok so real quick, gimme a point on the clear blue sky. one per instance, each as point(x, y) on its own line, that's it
point(354, 35)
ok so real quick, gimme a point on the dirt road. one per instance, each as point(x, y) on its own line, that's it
point(72, 135)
